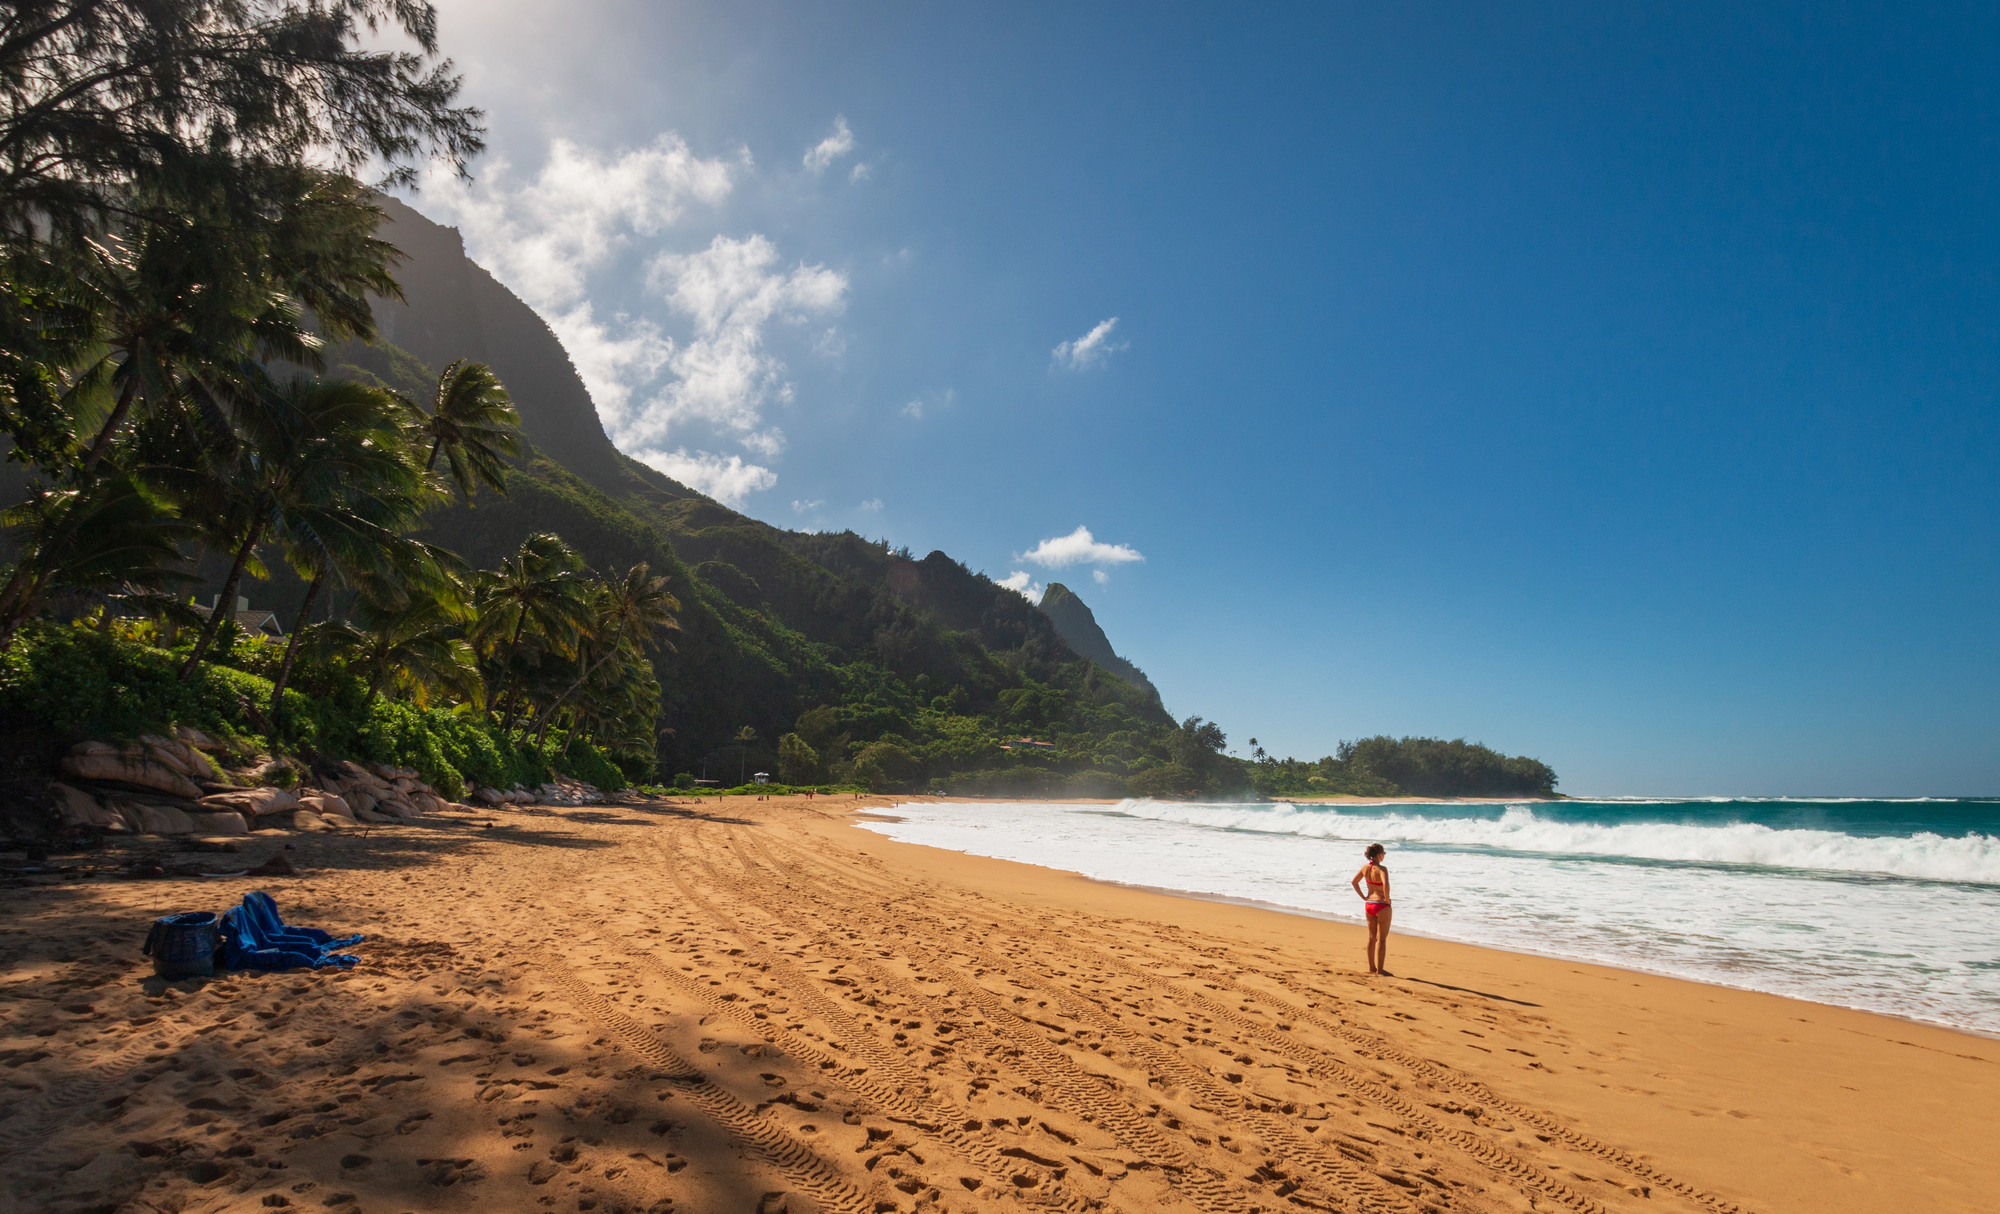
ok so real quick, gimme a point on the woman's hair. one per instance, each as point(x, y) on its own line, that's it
point(1375, 852)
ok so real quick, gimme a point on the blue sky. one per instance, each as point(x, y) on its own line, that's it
point(1611, 387)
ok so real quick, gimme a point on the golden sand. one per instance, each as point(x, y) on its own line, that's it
point(753, 1006)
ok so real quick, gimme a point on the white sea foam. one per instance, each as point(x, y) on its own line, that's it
point(1898, 924)
point(1924, 855)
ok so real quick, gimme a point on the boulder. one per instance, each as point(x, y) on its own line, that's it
point(339, 821)
point(487, 796)
point(131, 765)
point(163, 751)
point(370, 816)
point(155, 819)
point(396, 804)
point(196, 738)
point(359, 798)
point(79, 808)
point(251, 802)
point(219, 824)
point(306, 819)
point(324, 803)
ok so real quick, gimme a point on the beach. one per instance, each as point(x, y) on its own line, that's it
point(757, 1005)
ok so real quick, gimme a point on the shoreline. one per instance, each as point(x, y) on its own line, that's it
point(1280, 908)
point(649, 1005)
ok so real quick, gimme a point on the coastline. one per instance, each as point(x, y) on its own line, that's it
point(1797, 1105)
point(658, 1005)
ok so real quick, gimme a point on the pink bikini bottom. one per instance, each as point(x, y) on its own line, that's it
point(1376, 908)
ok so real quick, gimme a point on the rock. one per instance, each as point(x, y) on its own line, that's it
point(325, 803)
point(276, 866)
point(160, 750)
point(102, 761)
point(396, 804)
point(360, 798)
point(219, 824)
point(488, 796)
point(79, 808)
point(196, 738)
point(155, 819)
point(339, 821)
point(405, 784)
point(251, 802)
point(305, 819)
point(370, 816)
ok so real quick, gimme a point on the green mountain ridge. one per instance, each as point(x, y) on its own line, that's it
point(918, 654)
point(1080, 630)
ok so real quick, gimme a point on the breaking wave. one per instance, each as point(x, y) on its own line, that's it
point(1921, 855)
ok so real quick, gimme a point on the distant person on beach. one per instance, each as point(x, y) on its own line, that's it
point(1377, 899)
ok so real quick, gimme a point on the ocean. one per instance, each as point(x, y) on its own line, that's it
point(1885, 906)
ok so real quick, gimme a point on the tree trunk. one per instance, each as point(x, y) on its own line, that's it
point(589, 670)
point(225, 605)
point(437, 445)
point(292, 649)
point(110, 429)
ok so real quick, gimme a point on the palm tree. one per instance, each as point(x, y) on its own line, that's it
point(535, 603)
point(627, 617)
point(125, 540)
point(307, 444)
point(417, 649)
point(473, 424)
point(191, 304)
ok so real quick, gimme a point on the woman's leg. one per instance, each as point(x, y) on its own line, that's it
point(1369, 948)
point(1379, 960)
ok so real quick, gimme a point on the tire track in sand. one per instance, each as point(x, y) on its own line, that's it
point(1369, 1191)
point(1059, 1080)
point(1076, 1091)
point(761, 1139)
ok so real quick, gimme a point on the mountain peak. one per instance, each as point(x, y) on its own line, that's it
point(1079, 629)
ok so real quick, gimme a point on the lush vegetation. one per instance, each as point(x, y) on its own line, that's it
point(1383, 766)
point(192, 378)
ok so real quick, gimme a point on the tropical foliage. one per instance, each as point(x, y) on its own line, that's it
point(192, 379)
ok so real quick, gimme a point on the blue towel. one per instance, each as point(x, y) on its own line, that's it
point(253, 937)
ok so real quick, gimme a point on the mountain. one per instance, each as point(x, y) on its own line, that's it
point(918, 654)
point(1080, 631)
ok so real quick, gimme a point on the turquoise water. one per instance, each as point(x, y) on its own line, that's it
point(1887, 906)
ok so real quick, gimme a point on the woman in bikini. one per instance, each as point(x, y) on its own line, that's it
point(1379, 911)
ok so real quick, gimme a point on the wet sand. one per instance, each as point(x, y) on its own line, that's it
point(753, 1006)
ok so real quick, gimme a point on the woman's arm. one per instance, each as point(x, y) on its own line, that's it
point(1355, 881)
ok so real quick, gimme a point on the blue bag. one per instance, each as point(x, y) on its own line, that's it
point(254, 937)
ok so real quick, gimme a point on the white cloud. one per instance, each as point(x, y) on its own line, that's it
point(1079, 547)
point(1090, 349)
point(861, 172)
point(724, 375)
point(726, 479)
point(808, 507)
point(938, 400)
point(542, 237)
point(547, 235)
point(1019, 582)
point(831, 148)
point(873, 503)
point(1101, 577)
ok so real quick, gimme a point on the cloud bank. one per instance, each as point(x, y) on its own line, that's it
point(1091, 349)
point(545, 237)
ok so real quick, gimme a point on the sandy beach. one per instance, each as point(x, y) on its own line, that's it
point(753, 1006)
